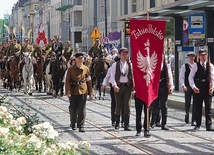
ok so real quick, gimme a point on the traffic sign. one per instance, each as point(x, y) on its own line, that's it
point(196, 26)
point(95, 33)
point(105, 40)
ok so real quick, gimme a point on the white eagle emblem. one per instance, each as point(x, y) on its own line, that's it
point(147, 64)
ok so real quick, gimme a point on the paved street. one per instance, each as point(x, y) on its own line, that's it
point(104, 139)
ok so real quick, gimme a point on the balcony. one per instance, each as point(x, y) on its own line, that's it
point(69, 4)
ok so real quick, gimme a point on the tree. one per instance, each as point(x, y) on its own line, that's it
point(170, 28)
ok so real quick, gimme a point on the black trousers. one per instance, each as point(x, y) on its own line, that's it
point(139, 106)
point(160, 105)
point(113, 106)
point(77, 110)
point(199, 98)
point(189, 95)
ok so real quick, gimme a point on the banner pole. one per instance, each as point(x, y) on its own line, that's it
point(147, 109)
point(147, 14)
point(147, 120)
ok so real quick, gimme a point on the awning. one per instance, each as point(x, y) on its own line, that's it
point(181, 8)
point(64, 7)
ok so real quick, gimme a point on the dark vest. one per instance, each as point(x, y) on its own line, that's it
point(118, 74)
point(164, 77)
point(201, 78)
point(187, 71)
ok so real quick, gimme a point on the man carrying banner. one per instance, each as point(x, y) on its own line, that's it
point(165, 88)
point(184, 81)
point(147, 38)
point(201, 79)
point(122, 82)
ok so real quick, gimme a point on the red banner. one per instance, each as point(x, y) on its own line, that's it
point(41, 39)
point(147, 39)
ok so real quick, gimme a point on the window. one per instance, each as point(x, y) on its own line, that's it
point(134, 5)
point(152, 3)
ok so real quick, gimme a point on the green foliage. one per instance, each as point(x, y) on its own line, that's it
point(42, 139)
point(20, 111)
point(170, 28)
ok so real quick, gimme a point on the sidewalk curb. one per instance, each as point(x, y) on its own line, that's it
point(179, 103)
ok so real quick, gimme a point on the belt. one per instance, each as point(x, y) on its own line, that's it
point(78, 82)
point(122, 84)
point(201, 80)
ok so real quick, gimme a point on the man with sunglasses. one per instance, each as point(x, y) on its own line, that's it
point(201, 79)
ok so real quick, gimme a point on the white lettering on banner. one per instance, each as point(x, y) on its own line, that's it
point(137, 33)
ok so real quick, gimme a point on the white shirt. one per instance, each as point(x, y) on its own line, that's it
point(194, 70)
point(107, 78)
point(124, 70)
point(169, 74)
point(182, 73)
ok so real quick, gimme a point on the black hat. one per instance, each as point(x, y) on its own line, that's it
point(78, 55)
point(116, 58)
point(123, 49)
point(202, 51)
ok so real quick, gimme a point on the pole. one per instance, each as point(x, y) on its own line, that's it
point(21, 33)
point(69, 27)
point(105, 19)
point(49, 33)
point(32, 31)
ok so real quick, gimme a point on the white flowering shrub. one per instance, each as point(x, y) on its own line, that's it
point(42, 140)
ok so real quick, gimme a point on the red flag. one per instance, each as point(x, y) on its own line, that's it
point(147, 39)
point(41, 39)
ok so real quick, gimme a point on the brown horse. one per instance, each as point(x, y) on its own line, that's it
point(100, 70)
point(14, 72)
point(39, 69)
point(3, 73)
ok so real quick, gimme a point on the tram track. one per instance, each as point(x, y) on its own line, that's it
point(173, 128)
point(112, 133)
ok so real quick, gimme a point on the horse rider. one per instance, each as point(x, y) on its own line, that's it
point(10, 52)
point(47, 53)
point(57, 45)
point(60, 60)
point(27, 47)
point(68, 51)
point(36, 53)
point(95, 49)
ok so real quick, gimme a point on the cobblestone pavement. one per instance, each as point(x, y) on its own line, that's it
point(104, 139)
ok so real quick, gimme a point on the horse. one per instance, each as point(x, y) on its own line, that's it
point(27, 73)
point(13, 79)
point(100, 70)
point(58, 70)
point(39, 69)
point(48, 76)
point(3, 73)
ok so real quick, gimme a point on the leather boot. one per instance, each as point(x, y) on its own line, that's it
point(126, 123)
point(187, 118)
point(164, 118)
point(146, 134)
point(117, 119)
point(193, 119)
